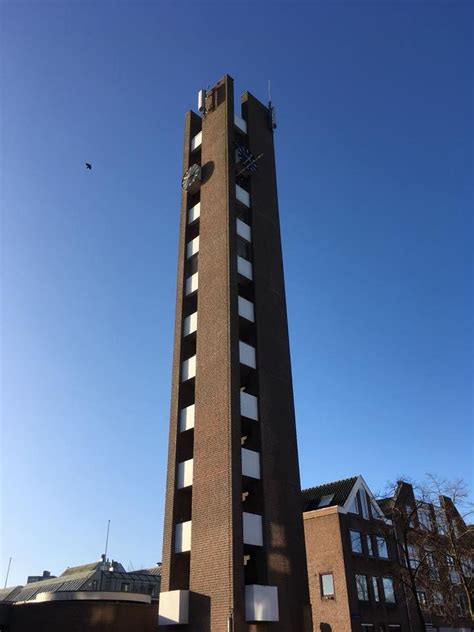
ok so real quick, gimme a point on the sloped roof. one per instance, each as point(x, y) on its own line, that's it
point(339, 489)
point(8, 594)
point(73, 570)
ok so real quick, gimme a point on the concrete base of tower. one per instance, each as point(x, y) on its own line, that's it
point(261, 603)
point(174, 607)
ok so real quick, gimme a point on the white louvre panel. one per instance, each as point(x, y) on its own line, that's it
point(192, 284)
point(182, 537)
point(261, 603)
point(243, 230)
point(240, 123)
point(190, 324)
point(192, 247)
point(244, 268)
point(188, 369)
point(250, 463)
point(248, 406)
point(253, 529)
point(242, 195)
point(246, 309)
point(174, 607)
point(185, 474)
point(186, 418)
point(194, 213)
point(247, 355)
point(196, 141)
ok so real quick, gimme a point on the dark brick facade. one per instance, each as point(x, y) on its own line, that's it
point(214, 570)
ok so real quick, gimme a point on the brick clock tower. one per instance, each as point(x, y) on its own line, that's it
point(233, 552)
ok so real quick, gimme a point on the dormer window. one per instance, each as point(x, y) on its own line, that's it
point(325, 500)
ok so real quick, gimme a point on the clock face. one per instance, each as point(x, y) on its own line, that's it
point(191, 180)
point(247, 161)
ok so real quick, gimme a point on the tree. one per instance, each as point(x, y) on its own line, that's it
point(435, 548)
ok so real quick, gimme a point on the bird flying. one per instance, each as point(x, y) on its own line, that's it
point(88, 165)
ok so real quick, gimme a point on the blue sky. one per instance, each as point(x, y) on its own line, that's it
point(374, 156)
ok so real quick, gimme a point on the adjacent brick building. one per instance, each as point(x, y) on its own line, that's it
point(351, 557)
point(357, 571)
point(233, 549)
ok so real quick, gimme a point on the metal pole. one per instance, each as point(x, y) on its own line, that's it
point(107, 541)
point(8, 572)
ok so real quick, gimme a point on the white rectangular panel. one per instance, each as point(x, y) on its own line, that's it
point(242, 195)
point(244, 268)
point(192, 284)
point(250, 463)
point(188, 369)
point(247, 354)
point(261, 603)
point(248, 405)
point(246, 309)
point(190, 324)
point(243, 230)
point(182, 538)
point(186, 418)
point(253, 533)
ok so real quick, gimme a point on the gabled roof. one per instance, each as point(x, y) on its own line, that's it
point(340, 490)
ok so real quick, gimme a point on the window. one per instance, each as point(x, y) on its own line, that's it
point(126, 586)
point(441, 521)
point(450, 562)
point(94, 584)
point(356, 541)
point(382, 547)
point(362, 588)
point(413, 556)
point(410, 511)
point(324, 501)
point(243, 249)
point(375, 588)
point(370, 547)
point(438, 600)
point(424, 518)
point(354, 506)
point(327, 584)
point(461, 604)
point(422, 599)
point(432, 568)
point(388, 589)
point(367, 627)
point(363, 504)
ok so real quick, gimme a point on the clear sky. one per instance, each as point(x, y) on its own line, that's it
point(374, 158)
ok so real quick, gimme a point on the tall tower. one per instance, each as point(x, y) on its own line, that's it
point(233, 551)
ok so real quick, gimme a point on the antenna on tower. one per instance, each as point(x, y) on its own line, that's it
point(271, 108)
